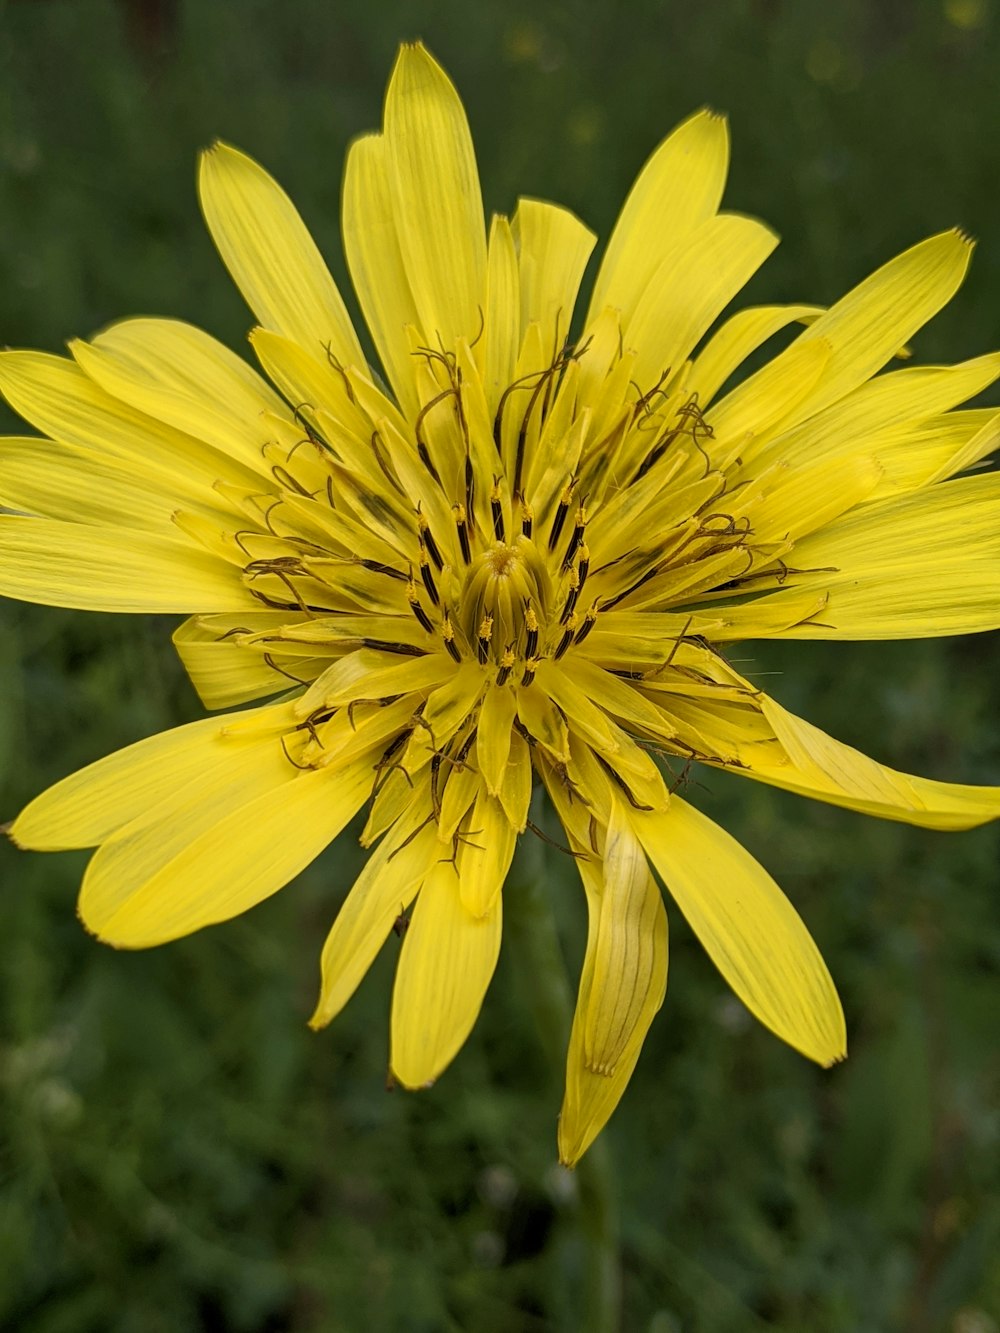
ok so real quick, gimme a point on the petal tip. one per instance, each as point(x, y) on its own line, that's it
point(8, 830)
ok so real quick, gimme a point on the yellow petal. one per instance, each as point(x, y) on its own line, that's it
point(692, 286)
point(112, 569)
point(271, 256)
point(515, 793)
point(871, 323)
point(244, 856)
point(378, 270)
point(737, 338)
point(749, 929)
point(57, 397)
point(922, 564)
point(793, 502)
point(873, 416)
point(389, 882)
point(485, 851)
point(447, 708)
point(176, 373)
point(61, 481)
point(371, 674)
point(436, 198)
point(496, 719)
point(501, 335)
point(678, 188)
point(447, 962)
point(585, 718)
point(91, 804)
point(226, 673)
point(553, 247)
point(761, 402)
point(810, 762)
point(622, 987)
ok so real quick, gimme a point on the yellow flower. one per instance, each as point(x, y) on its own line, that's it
point(523, 561)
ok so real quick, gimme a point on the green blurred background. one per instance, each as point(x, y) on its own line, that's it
point(179, 1152)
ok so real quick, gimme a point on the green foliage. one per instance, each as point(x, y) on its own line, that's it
point(179, 1152)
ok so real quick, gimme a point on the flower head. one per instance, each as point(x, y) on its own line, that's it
point(520, 561)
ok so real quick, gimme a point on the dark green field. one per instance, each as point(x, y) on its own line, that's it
point(178, 1151)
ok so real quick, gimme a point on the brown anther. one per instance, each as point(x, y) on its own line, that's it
point(448, 634)
point(483, 636)
point(530, 667)
point(573, 594)
point(527, 518)
point(507, 662)
point(576, 537)
point(496, 510)
point(531, 625)
point(571, 623)
point(562, 509)
point(413, 597)
point(461, 526)
point(426, 538)
point(589, 620)
point(583, 564)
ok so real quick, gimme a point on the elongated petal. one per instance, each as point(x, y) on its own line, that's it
point(175, 373)
point(872, 322)
point(271, 256)
point(225, 673)
point(485, 851)
point(622, 987)
point(873, 417)
point(553, 247)
point(447, 962)
point(503, 312)
point(678, 188)
point(378, 269)
point(247, 854)
point(749, 929)
point(77, 485)
point(741, 335)
point(920, 565)
point(692, 286)
point(810, 762)
point(496, 720)
point(390, 880)
point(57, 397)
point(436, 198)
point(91, 804)
point(112, 569)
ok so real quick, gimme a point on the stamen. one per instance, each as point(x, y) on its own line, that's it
point(461, 524)
point(448, 634)
point(531, 625)
point(483, 639)
point(496, 510)
point(574, 593)
point(386, 646)
point(507, 662)
point(427, 576)
point(568, 634)
point(530, 667)
point(589, 621)
point(413, 597)
point(470, 475)
point(562, 509)
point(426, 538)
point(576, 538)
point(583, 565)
point(527, 519)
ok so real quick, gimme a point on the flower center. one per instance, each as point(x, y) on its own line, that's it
point(504, 602)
